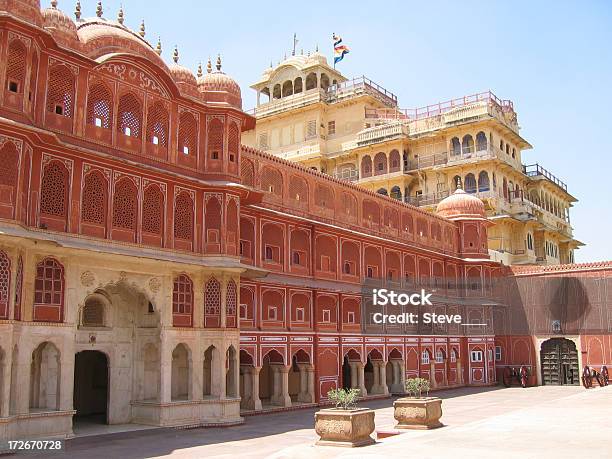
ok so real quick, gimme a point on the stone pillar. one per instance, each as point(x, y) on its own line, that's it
point(402, 375)
point(376, 389)
point(361, 379)
point(432, 374)
point(311, 383)
point(383, 378)
point(303, 394)
point(284, 397)
point(274, 396)
point(5, 396)
point(396, 385)
point(165, 377)
point(445, 380)
point(255, 388)
point(236, 369)
point(246, 397)
point(354, 375)
point(21, 391)
point(459, 372)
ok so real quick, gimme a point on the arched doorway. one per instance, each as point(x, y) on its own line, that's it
point(90, 396)
point(559, 362)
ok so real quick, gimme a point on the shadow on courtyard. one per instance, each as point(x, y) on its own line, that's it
point(162, 441)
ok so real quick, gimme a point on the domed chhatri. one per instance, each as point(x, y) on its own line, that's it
point(59, 23)
point(461, 205)
point(180, 74)
point(27, 10)
point(218, 81)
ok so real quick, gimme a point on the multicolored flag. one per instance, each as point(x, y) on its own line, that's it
point(339, 49)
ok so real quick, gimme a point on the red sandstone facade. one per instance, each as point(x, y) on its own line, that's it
point(104, 145)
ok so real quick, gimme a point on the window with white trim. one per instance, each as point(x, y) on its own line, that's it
point(453, 356)
point(350, 317)
point(271, 312)
point(439, 357)
point(326, 315)
point(476, 356)
point(424, 357)
point(498, 353)
point(299, 315)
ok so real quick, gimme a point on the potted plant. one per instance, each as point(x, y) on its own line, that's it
point(417, 411)
point(345, 424)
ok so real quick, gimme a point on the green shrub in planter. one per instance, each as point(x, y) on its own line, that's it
point(416, 386)
point(344, 398)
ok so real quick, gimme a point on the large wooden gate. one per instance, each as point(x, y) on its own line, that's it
point(559, 359)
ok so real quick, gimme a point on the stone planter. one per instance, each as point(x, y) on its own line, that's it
point(338, 427)
point(418, 413)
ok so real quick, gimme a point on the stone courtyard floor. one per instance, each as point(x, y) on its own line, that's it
point(538, 422)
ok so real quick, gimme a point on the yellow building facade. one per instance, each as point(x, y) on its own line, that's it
point(353, 129)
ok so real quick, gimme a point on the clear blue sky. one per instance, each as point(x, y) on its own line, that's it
point(553, 59)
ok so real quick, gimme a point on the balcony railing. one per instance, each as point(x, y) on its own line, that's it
point(334, 93)
point(535, 170)
point(350, 175)
point(380, 133)
point(456, 157)
point(358, 86)
point(434, 198)
point(439, 108)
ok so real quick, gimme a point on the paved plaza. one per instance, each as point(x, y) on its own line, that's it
point(559, 422)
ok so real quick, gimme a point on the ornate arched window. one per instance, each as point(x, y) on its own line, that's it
point(5, 284)
point(455, 146)
point(54, 190)
point(483, 181)
point(467, 144)
point(153, 210)
point(247, 172)
point(231, 301)
point(125, 205)
point(99, 106)
point(470, 183)
point(60, 95)
point(187, 134)
point(215, 139)
point(18, 289)
point(212, 303)
point(183, 216)
point(157, 125)
point(182, 301)
point(93, 312)
point(16, 66)
point(481, 141)
point(49, 291)
point(9, 171)
point(129, 116)
point(94, 202)
point(233, 142)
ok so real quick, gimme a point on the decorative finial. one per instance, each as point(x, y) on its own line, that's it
point(218, 62)
point(142, 29)
point(54, 4)
point(302, 51)
point(200, 73)
point(175, 55)
point(317, 48)
point(158, 48)
point(271, 64)
point(120, 15)
point(77, 10)
point(99, 11)
point(285, 58)
point(209, 66)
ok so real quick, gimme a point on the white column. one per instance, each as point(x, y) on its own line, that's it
point(383, 378)
point(285, 399)
point(311, 383)
point(255, 388)
point(361, 379)
point(165, 377)
point(432, 373)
